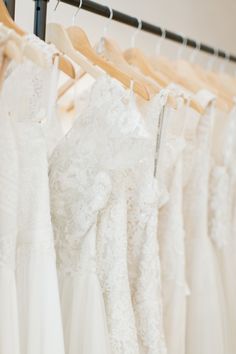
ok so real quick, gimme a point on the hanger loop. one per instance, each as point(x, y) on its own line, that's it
point(76, 12)
point(182, 47)
point(105, 29)
point(194, 53)
point(138, 29)
point(160, 41)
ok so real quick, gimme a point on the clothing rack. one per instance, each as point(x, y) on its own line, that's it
point(91, 6)
point(10, 4)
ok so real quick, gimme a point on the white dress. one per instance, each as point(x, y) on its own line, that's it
point(222, 215)
point(26, 98)
point(9, 334)
point(205, 314)
point(127, 142)
point(171, 236)
point(144, 194)
point(89, 213)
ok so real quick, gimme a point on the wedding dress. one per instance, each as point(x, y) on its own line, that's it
point(88, 200)
point(144, 195)
point(26, 100)
point(205, 330)
point(171, 235)
point(221, 213)
point(9, 335)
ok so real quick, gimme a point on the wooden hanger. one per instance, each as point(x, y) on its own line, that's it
point(212, 82)
point(6, 19)
point(112, 52)
point(57, 35)
point(229, 83)
point(165, 66)
point(168, 68)
point(81, 43)
point(64, 64)
point(224, 100)
point(10, 47)
point(162, 63)
point(9, 51)
point(134, 56)
point(25, 47)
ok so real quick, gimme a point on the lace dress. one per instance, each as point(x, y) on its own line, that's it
point(205, 315)
point(144, 194)
point(222, 215)
point(25, 95)
point(9, 335)
point(88, 198)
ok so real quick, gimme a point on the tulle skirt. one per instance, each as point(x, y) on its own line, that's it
point(39, 311)
point(206, 311)
point(83, 313)
point(9, 335)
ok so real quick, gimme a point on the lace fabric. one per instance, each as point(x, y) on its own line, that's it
point(88, 199)
point(24, 100)
point(144, 195)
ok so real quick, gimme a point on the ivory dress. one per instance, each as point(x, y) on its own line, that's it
point(222, 214)
point(205, 330)
point(89, 214)
point(9, 334)
point(144, 195)
point(171, 235)
point(26, 97)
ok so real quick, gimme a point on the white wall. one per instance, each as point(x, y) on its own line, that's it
point(209, 21)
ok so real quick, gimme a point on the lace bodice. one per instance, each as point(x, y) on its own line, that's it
point(24, 98)
point(32, 93)
point(146, 192)
point(88, 199)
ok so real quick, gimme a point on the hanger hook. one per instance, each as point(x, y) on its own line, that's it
point(212, 59)
point(58, 2)
point(138, 29)
point(105, 29)
point(182, 46)
point(160, 41)
point(195, 51)
point(76, 12)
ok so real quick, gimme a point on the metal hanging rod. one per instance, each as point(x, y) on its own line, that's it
point(10, 4)
point(40, 18)
point(118, 16)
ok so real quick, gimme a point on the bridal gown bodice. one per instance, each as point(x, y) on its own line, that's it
point(143, 197)
point(25, 101)
point(88, 200)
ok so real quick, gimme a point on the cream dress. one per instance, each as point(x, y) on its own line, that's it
point(205, 330)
